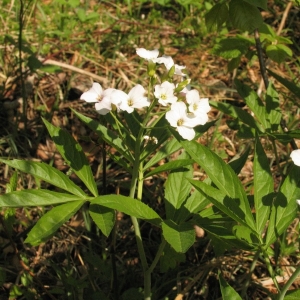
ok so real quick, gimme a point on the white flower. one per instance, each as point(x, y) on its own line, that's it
point(94, 94)
point(147, 54)
point(134, 99)
point(101, 98)
point(184, 122)
point(295, 156)
point(169, 63)
point(298, 202)
point(165, 93)
point(198, 106)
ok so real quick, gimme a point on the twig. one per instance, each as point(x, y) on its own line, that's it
point(75, 69)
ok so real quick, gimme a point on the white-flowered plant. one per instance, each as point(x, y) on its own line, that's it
point(136, 127)
point(183, 114)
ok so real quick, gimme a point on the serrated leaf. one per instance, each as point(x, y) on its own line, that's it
point(129, 206)
point(35, 198)
point(74, 156)
point(254, 102)
point(219, 229)
point(231, 207)
point(284, 208)
point(259, 3)
point(263, 186)
point(171, 165)
point(279, 52)
point(103, 217)
point(51, 221)
point(46, 173)
point(244, 16)
point(245, 234)
point(216, 16)
point(180, 237)
point(227, 291)
point(291, 86)
point(231, 47)
point(107, 135)
point(219, 172)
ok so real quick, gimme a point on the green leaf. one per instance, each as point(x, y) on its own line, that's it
point(259, 3)
point(107, 135)
point(196, 202)
point(51, 221)
point(13, 182)
point(103, 217)
point(231, 207)
point(46, 173)
point(238, 162)
point(244, 16)
point(245, 234)
point(219, 229)
point(72, 153)
point(166, 150)
point(279, 52)
point(219, 172)
point(236, 112)
point(254, 102)
point(231, 47)
point(172, 165)
point(170, 259)
point(285, 208)
point(129, 206)
point(227, 291)
point(273, 107)
point(234, 63)
point(292, 295)
point(263, 186)
point(180, 237)
point(35, 198)
point(216, 16)
point(291, 86)
point(177, 189)
point(81, 14)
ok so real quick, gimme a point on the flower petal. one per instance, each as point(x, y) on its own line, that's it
point(93, 94)
point(186, 132)
point(295, 156)
point(147, 54)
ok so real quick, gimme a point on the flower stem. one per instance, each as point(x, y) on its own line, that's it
point(288, 284)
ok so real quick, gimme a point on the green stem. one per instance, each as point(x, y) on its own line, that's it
point(288, 284)
point(270, 269)
point(253, 264)
point(147, 274)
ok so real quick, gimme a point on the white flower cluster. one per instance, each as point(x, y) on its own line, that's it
point(183, 115)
